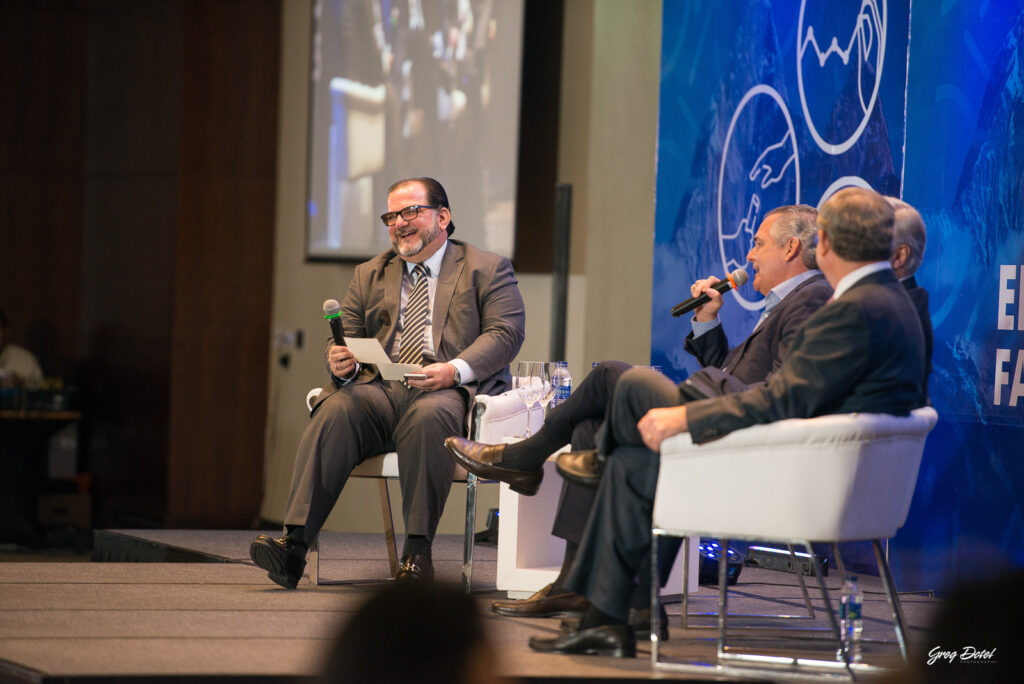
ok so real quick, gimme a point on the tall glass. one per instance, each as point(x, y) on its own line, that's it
point(546, 374)
point(526, 384)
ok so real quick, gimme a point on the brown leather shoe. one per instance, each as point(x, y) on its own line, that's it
point(582, 467)
point(482, 460)
point(543, 604)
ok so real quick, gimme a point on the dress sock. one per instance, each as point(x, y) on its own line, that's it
point(558, 586)
point(416, 543)
point(595, 618)
point(531, 453)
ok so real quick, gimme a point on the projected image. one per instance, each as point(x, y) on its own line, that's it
point(403, 88)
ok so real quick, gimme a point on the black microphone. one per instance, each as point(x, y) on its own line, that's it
point(732, 281)
point(332, 312)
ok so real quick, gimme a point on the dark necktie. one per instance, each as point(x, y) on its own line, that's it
point(415, 319)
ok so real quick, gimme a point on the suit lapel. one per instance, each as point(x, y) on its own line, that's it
point(451, 270)
point(393, 272)
point(737, 353)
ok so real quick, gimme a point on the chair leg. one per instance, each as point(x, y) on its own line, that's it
point(800, 578)
point(314, 561)
point(899, 622)
point(828, 605)
point(723, 594)
point(389, 524)
point(470, 534)
point(686, 580)
point(655, 594)
point(839, 564)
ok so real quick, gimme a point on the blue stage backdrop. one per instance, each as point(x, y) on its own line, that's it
point(772, 102)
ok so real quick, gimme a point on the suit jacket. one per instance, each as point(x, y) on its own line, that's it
point(919, 296)
point(762, 352)
point(862, 352)
point(478, 313)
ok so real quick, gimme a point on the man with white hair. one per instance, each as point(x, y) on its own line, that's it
point(908, 242)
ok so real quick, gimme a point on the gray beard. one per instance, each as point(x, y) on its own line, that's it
point(432, 234)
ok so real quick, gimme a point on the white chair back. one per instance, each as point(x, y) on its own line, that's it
point(830, 478)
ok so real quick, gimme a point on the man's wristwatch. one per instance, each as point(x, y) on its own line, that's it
point(458, 376)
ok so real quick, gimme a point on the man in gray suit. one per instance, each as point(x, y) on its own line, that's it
point(431, 300)
point(863, 351)
point(782, 256)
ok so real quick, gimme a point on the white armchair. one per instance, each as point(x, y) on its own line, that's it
point(491, 419)
point(831, 479)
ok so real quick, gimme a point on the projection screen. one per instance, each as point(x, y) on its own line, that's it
point(405, 88)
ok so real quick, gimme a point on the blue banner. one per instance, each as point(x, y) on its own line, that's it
point(772, 102)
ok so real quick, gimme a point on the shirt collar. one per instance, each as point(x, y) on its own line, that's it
point(433, 264)
point(855, 276)
point(779, 292)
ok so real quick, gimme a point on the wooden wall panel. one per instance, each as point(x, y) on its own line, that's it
point(42, 78)
point(224, 268)
point(137, 157)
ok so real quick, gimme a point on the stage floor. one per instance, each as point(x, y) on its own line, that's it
point(223, 618)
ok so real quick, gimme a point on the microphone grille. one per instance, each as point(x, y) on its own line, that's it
point(331, 307)
point(739, 276)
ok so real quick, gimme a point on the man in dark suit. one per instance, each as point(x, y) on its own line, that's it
point(863, 351)
point(443, 303)
point(782, 255)
point(908, 242)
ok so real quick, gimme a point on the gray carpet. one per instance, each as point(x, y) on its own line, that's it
point(205, 620)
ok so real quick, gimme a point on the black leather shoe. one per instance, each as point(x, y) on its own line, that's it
point(415, 567)
point(581, 467)
point(543, 605)
point(283, 559)
point(639, 620)
point(617, 641)
point(482, 460)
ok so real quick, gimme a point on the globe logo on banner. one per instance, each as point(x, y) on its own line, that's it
point(760, 169)
point(839, 69)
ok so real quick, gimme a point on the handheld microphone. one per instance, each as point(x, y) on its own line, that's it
point(332, 312)
point(732, 281)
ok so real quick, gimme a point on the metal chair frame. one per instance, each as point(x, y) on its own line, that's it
point(372, 468)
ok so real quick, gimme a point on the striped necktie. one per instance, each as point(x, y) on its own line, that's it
point(415, 319)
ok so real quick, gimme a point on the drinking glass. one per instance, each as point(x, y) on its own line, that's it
point(545, 373)
point(529, 390)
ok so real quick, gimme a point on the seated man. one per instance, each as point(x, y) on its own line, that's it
point(863, 351)
point(908, 241)
point(785, 272)
point(428, 300)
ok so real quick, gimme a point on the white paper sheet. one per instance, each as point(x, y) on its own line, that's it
point(368, 350)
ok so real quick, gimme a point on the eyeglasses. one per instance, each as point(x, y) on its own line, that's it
point(407, 214)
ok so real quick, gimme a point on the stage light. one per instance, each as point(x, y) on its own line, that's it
point(710, 554)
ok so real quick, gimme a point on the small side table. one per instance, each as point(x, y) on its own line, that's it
point(529, 556)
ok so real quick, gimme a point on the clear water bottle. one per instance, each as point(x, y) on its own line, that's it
point(851, 622)
point(562, 381)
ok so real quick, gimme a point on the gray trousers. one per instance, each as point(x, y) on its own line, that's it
point(360, 421)
point(612, 557)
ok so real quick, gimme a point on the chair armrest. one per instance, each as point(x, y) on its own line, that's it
point(502, 415)
point(312, 395)
point(825, 431)
point(493, 417)
point(836, 477)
